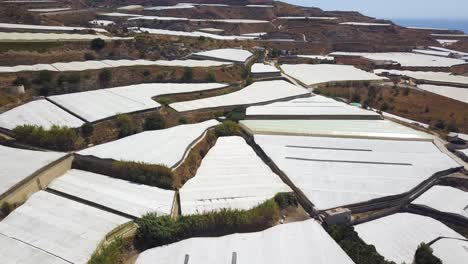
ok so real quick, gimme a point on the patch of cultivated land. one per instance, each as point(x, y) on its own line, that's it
point(420, 106)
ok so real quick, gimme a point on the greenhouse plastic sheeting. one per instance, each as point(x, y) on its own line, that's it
point(299, 243)
point(231, 176)
point(123, 196)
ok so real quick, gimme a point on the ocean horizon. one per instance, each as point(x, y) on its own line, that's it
point(454, 24)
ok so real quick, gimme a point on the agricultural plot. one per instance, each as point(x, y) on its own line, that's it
point(98, 65)
point(48, 28)
point(38, 113)
point(316, 107)
point(450, 250)
point(311, 74)
point(101, 104)
point(71, 233)
point(297, 243)
point(123, 196)
point(15, 169)
point(47, 10)
point(334, 172)
point(195, 34)
point(456, 93)
point(445, 199)
point(51, 37)
point(396, 237)
point(366, 24)
point(306, 18)
point(256, 93)
point(231, 176)
point(367, 129)
point(118, 15)
point(167, 147)
point(19, 252)
point(433, 77)
point(405, 59)
point(263, 68)
point(230, 55)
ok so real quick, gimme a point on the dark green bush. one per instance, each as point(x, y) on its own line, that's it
point(89, 56)
point(351, 243)
point(154, 122)
point(227, 128)
point(56, 138)
point(188, 74)
point(126, 126)
point(236, 114)
point(210, 77)
point(98, 44)
point(164, 101)
point(285, 200)
point(384, 107)
point(157, 230)
point(44, 77)
point(183, 121)
point(87, 129)
point(148, 174)
point(6, 208)
point(109, 254)
point(424, 255)
point(105, 76)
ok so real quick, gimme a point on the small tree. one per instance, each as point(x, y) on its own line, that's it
point(98, 44)
point(154, 122)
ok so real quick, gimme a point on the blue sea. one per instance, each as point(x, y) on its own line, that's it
point(461, 24)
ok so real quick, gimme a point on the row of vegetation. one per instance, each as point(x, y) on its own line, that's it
point(55, 138)
point(354, 246)
point(361, 253)
point(109, 254)
point(143, 173)
point(155, 230)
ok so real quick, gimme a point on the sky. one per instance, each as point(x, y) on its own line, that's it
point(396, 9)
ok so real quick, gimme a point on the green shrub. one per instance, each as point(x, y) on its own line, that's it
point(126, 126)
point(424, 255)
point(89, 56)
point(210, 77)
point(384, 107)
point(73, 78)
point(44, 77)
point(6, 208)
point(154, 122)
point(183, 120)
point(164, 101)
point(227, 128)
point(87, 130)
point(56, 138)
point(351, 243)
point(105, 76)
point(98, 44)
point(157, 230)
point(143, 173)
point(108, 254)
point(285, 200)
point(236, 114)
point(21, 81)
point(188, 74)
